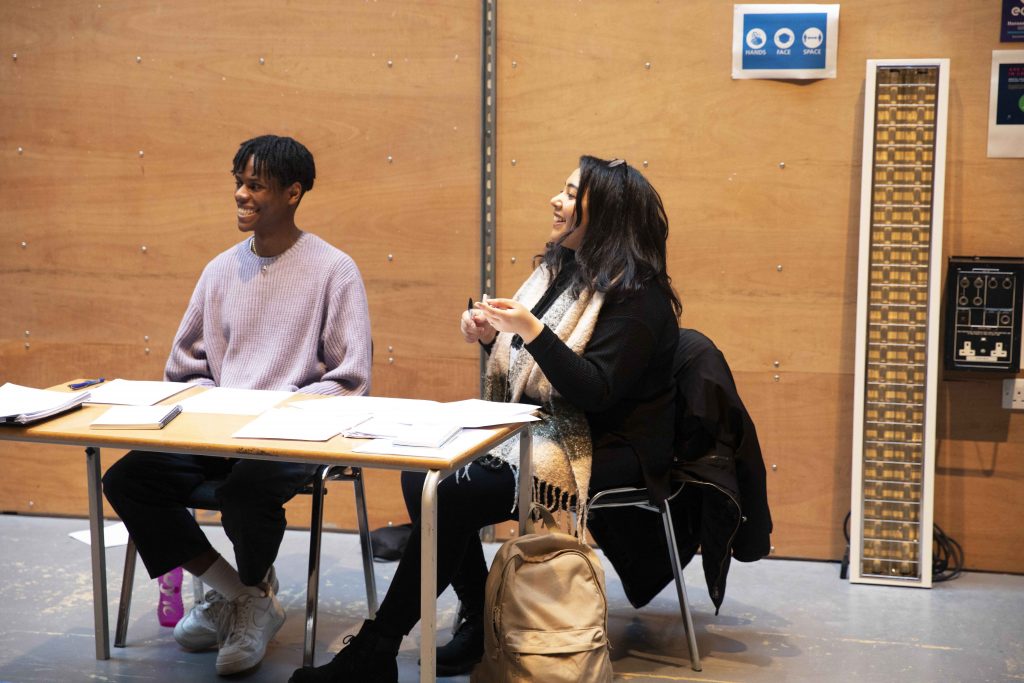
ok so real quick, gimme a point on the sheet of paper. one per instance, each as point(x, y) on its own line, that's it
point(130, 392)
point(299, 425)
point(233, 401)
point(406, 410)
point(463, 441)
point(113, 535)
point(478, 413)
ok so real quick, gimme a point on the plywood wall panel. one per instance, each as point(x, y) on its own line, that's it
point(128, 115)
point(573, 78)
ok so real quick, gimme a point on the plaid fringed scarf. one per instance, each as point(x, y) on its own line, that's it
point(562, 447)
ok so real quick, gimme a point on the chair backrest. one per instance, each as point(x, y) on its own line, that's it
point(709, 412)
point(716, 439)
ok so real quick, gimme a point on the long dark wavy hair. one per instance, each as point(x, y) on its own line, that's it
point(623, 249)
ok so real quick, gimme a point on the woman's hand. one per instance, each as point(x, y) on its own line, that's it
point(508, 315)
point(475, 328)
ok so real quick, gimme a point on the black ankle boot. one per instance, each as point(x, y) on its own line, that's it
point(368, 657)
point(465, 649)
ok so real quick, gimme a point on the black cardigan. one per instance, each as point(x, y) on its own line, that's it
point(623, 381)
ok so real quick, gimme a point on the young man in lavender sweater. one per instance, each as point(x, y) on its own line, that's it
point(281, 310)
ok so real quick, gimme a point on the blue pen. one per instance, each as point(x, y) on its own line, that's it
point(86, 383)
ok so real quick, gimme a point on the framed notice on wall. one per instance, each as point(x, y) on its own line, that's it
point(1011, 24)
point(785, 41)
point(1006, 104)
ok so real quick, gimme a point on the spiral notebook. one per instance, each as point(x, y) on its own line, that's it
point(136, 417)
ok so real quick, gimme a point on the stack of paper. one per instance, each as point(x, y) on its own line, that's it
point(136, 417)
point(22, 405)
point(464, 440)
point(388, 412)
point(392, 422)
point(475, 412)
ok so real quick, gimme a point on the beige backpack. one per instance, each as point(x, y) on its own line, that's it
point(545, 614)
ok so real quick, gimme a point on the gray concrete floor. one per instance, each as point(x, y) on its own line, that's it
point(781, 621)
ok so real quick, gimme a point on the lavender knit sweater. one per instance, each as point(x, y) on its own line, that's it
point(295, 322)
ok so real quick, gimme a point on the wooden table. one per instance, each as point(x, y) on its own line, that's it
point(209, 434)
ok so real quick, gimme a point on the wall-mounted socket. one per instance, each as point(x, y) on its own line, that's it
point(1013, 394)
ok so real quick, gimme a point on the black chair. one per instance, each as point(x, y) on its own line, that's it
point(638, 497)
point(717, 485)
point(204, 498)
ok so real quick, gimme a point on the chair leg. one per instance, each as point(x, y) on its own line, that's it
point(316, 524)
point(677, 571)
point(364, 543)
point(125, 605)
point(198, 589)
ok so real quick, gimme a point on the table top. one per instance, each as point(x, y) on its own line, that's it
point(210, 434)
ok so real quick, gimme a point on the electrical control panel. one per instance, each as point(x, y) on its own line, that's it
point(984, 311)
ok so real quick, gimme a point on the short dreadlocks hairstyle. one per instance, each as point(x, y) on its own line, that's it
point(284, 159)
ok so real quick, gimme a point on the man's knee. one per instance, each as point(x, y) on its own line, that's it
point(117, 479)
point(256, 495)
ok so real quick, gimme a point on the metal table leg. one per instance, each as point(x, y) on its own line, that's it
point(525, 477)
point(428, 578)
point(99, 555)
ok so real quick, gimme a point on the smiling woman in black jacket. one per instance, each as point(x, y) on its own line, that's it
point(590, 336)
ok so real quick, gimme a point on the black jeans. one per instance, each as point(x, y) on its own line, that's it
point(463, 508)
point(148, 491)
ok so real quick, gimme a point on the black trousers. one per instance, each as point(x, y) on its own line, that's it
point(463, 508)
point(149, 490)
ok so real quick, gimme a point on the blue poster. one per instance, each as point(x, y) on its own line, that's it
point(785, 41)
point(790, 41)
point(1011, 24)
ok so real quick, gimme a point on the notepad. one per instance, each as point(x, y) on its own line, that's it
point(136, 417)
point(425, 436)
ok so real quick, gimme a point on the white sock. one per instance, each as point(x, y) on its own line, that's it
point(223, 578)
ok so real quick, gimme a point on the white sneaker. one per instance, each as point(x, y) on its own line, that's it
point(248, 624)
point(197, 630)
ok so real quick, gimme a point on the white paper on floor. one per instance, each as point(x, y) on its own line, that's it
point(113, 535)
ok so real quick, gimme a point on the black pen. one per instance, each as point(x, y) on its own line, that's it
point(86, 383)
point(469, 306)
